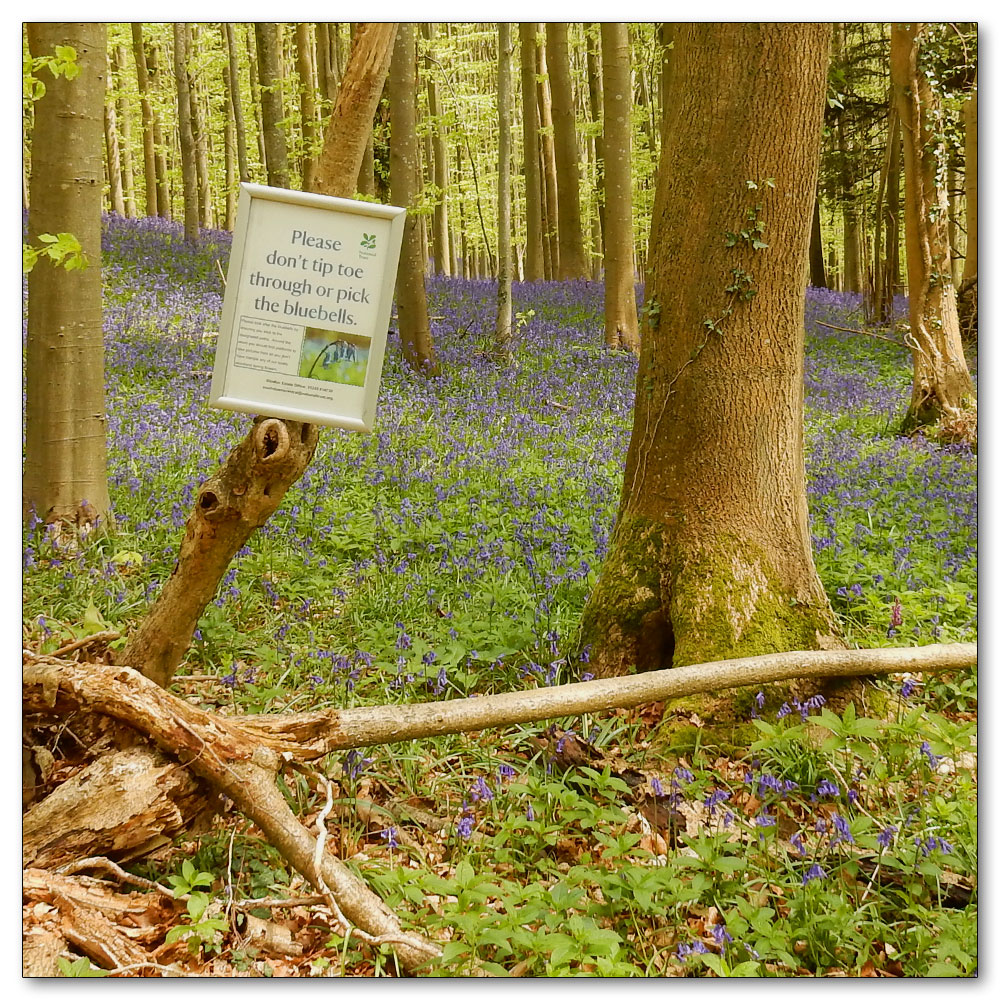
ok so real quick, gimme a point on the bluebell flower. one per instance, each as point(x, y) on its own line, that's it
point(721, 935)
point(480, 791)
point(695, 948)
point(908, 687)
point(813, 873)
point(932, 758)
point(886, 834)
point(389, 835)
point(827, 787)
point(464, 826)
point(843, 830)
point(796, 841)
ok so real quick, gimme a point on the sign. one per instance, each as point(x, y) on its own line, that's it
point(307, 305)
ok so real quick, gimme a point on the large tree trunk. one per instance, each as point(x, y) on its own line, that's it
point(711, 554)
point(621, 324)
point(572, 259)
point(192, 216)
point(534, 265)
point(411, 297)
point(943, 393)
point(65, 463)
point(272, 107)
point(968, 301)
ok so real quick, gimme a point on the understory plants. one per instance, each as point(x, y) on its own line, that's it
point(450, 553)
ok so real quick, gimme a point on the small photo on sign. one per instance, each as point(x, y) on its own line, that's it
point(332, 356)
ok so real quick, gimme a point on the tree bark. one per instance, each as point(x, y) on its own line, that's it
point(503, 334)
point(236, 102)
point(350, 127)
point(307, 103)
point(272, 106)
point(817, 272)
point(550, 197)
point(593, 34)
point(199, 131)
point(572, 259)
point(148, 145)
point(163, 206)
point(621, 324)
point(411, 296)
point(943, 395)
point(442, 241)
point(534, 265)
point(192, 216)
point(112, 149)
point(65, 457)
point(968, 301)
point(711, 555)
point(125, 129)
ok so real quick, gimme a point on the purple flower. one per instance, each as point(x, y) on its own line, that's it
point(796, 841)
point(932, 758)
point(464, 826)
point(886, 834)
point(827, 787)
point(721, 935)
point(505, 772)
point(695, 948)
point(389, 835)
point(815, 871)
point(713, 800)
point(908, 687)
point(657, 787)
point(480, 791)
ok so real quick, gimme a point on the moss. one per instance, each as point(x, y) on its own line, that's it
point(729, 603)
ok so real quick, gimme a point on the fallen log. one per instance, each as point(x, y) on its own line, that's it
point(241, 757)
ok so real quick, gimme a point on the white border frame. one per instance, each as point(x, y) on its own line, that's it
point(220, 395)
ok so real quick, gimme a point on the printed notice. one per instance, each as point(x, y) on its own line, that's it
point(308, 298)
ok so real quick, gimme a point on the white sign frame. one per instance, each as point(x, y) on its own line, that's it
point(298, 256)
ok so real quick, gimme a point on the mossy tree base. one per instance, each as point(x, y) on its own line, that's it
point(664, 600)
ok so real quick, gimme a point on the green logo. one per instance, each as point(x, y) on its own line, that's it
point(368, 241)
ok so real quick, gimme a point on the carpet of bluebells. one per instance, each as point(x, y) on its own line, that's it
point(450, 552)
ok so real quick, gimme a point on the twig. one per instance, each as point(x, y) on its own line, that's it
point(865, 333)
point(72, 647)
point(108, 865)
point(269, 902)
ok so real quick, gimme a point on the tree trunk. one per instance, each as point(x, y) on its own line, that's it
point(883, 258)
point(503, 334)
point(711, 555)
point(442, 242)
point(348, 133)
point(189, 176)
point(125, 131)
point(572, 259)
point(163, 206)
point(229, 143)
point(116, 191)
point(256, 100)
point(534, 264)
point(229, 33)
point(258, 472)
point(968, 302)
point(272, 106)
point(597, 109)
point(817, 273)
point(199, 130)
point(65, 450)
point(148, 144)
point(411, 297)
point(548, 152)
point(943, 394)
point(307, 103)
point(621, 325)
point(328, 63)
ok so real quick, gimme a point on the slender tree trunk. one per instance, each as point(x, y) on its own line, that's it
point(442, 241)
point(229, 142)
point(272, 106)
point(65, 453)
point(125, 131)
point(188, 170)
point(534, 264)
point(817, 274)
point(550, 197)
point(256, 99)
point(411, 297)
point(593, 35)
point(111, 148)
point(307, 102)
point(883, 256)
point(968, 299)
point(505, 50)
point(621, 325)
point(572, 259)
point(328, 62)
point(710, 556)
point(199, 130)
point(236, 103)
point(943, 393)
point(148, 144)
point(163, 206)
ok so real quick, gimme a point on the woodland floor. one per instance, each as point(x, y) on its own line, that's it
point(449, 554)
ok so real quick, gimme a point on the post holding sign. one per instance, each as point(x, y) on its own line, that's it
point(307, 306)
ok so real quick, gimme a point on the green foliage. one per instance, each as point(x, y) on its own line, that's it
point(61, 63)
point(63, 250)
point(80, 968)
point(204, 927)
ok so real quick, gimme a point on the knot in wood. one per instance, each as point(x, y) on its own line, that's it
point(271, 440)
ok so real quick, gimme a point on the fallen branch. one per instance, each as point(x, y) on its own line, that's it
point(241, 757)
point(863, 333)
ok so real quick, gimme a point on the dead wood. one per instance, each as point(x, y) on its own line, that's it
point(144, 801)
